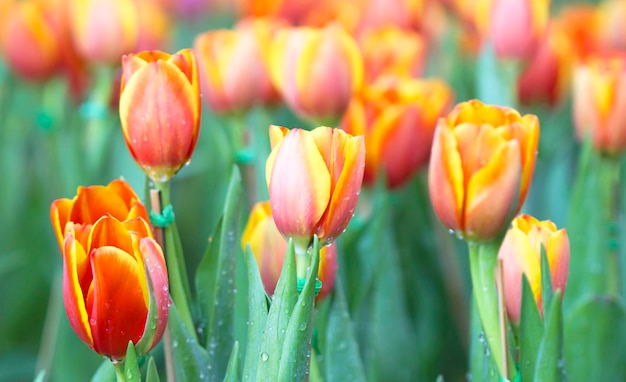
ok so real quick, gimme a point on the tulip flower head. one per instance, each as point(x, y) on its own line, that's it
point(520, 253)
point(269, 248)
point(599, 103)
point(314, 180)
point(481, 167)
point(115, 284)
point(160, 110)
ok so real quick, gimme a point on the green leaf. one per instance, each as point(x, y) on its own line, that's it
point(482, 364)
point(281, 309)
point(550, 365)
point(152, 374)
point(104, 373)
point(546, 282)
point(190, 359)
point(40, 376)
point(296, 352)
point(215, 282)
point(531, 332)
point(343, 362)
point(232, 371)
point(131, 368)
point(257, 317)
point(496, 78)
point(594, 340)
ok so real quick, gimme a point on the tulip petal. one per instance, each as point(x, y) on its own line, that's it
point(493, 192)
point(59, 215)
point(74, 259)
point(108, 231)
point(299, 166)
point(277, 133)
point(119, 310)
point(558, 252)
point(445, 178)
point(93, 202)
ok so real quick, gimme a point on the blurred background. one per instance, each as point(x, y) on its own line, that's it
point(59, 129)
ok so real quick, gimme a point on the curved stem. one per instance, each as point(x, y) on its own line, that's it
point(179, 284)
point(483, 260)
point(119, 371)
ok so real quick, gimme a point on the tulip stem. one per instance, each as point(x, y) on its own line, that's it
point(483, 260)
point(179, 287)
point(613, 261)
point(119, 371)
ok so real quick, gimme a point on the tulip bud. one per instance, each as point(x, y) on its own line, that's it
point(314, 180)
point(317, 71)
point(520, 253)
point(234, 68)
point(599, 101)
point(397, 118)
point(160, 110)
point(269, 248)
point(104, 30)
point(517, 26)
point(481, 166)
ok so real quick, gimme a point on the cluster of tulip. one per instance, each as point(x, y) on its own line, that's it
point(352, 76)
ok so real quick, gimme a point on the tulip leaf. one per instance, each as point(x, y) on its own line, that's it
point(343, 362)
point(232, 371)
point(296, 352)
point(105, 372)
point(131, 368)
point(482, 364)
point(257, 317)
point(215, 282)
point(595, 332)
point(152, 374)
point(531, 332)
point(546, 282)
point(550, 365)
point(191, 359)
point(281, 309)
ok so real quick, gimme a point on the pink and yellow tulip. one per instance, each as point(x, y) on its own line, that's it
point(481, 167)
point(314, 180)
point(160, 110)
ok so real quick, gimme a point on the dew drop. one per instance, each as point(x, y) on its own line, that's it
point(265, 357)
point(302, 327)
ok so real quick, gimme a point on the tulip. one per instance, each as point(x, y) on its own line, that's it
point(520, 253)
point(317, 71)
point(233, 67)
point(581, 24)
point(104, 30)
point(160, 110)
point(392, 50)
point(31, 40)
point(612, 24)
point(517, 26)
point(397, 118)
point(481, 167)
point(116, 199)
point(115, 286)
point(314, 180)
point(269, 249)
point(154, 26)
point(599, 101)
point(405, 14)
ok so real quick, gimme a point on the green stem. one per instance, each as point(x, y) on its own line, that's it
point(303, 260)
point(612, 182)
point(119, 371)
point(483, 260)
point(179, 286)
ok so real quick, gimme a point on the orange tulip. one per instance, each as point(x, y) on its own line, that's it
point(383, 13)
point(154, 26)
point(116, 199)
point(234, 68)
point(397, 118)
point(31, 40)
point(314, 180)
point(160, 110)
point(269, 248)
point(521, 255)
point(517, 26)
point(392, 50)
point(481, 167)
point(600, 101)
point(317, 71)
point(115, 284)
point(104, 30)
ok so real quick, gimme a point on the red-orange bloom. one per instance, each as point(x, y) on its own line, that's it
point(481, 166)
point(397, 118)
point(314, 179)
point(160, 110)
point(521, 255)
point(269, 248)
point(115, 284)
point(599, 103)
